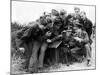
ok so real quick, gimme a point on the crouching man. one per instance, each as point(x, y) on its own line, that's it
point(36, 34)
point(81, 36)
point(66, 38)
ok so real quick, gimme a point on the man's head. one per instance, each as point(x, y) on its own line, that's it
point(57, 23)
point(56, 26)
point(77, 10)
point(49, 22)
point(67, 32)
point(83, 15)
point(70, 18)
point(54, 12)
point(48, 33)
point(69, 27)
point(77, 26)
point(63, 12)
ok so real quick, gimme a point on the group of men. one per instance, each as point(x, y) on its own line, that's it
point(70, 31)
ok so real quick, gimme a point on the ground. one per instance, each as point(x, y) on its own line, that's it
point(17, 65)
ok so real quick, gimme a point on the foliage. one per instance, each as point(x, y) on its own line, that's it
point(15, 26)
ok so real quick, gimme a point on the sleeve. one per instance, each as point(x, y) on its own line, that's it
point(56, 38)
point(90, 27)
point(85, 37)
point(27, 34)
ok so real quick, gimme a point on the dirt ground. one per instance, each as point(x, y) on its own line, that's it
point(17, 67)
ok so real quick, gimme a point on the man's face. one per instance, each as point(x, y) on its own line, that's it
point(67, 34)
point(70, 20)
point(49, 25)
point(57, 26)
point(77, 10)
point(48, 33)
point(75, 29)
point(54, 12)
point(83, 15)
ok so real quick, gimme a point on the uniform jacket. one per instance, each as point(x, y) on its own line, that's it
point(87, 24)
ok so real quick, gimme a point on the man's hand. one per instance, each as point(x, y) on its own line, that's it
point(48, 33)
point(22, 49)
point(78, 39)
point(41, 26)
point(48, 40)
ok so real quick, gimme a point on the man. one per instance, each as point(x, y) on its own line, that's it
point(54, 15)
point(81, 36)
point(87, 24)
point(39, 42)
point(76, 14)
point(42, 20)
point(72, 18)
point(66, 38)
point(68, 21)
point(63, 16)
point(57, 23)
point(34, 34)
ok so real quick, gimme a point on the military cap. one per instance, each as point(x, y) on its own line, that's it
point(69, 30)
point(62, 12)
point(78, 25)
point(55, 12)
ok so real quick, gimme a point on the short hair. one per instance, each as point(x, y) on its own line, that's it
point(76, 8)
point(83, 12)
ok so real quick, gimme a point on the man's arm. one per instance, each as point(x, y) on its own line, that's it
point(85, 37)
point(54, 39)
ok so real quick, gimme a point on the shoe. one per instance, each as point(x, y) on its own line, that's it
point(33, 70)
point(68, 64)
point(88, 63)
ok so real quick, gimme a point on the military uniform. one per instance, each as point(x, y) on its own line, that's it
point(63, 15)
point(65, 45)
point(44, 38)
point(87, 24)
point(82, 37)
point(38, 37)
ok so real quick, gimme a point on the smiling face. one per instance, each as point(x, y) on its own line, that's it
point(77, 29)
point(48, 33)
point(83, 15)
point(77, 10)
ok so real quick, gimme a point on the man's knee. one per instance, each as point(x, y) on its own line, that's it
point(36, 46)
point(87, 45)
point(43, 47)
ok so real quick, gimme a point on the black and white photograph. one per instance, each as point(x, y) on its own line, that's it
point(52, 37)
